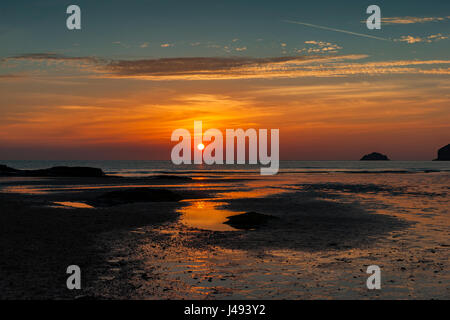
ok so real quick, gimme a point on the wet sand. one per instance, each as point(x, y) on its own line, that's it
point(329, 229)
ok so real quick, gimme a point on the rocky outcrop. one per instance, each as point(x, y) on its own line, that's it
point(374, 156)
point(248, 220)
point(443, 154)
point(134, 195)
point(7, 171)
point(53, 172)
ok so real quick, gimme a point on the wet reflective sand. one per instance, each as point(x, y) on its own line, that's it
point(330, 228)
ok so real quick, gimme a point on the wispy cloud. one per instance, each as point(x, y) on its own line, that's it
point(289, 67)
point(220, 68)
point(244, 48)
point(49, 56)
point(267, 68)
point(319, 47)
point(411, 20)
point(427, 39)
point(185, 66)
point(437, 37)
point(410, 39)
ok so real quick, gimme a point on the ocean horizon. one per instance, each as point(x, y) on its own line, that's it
point(137, 168)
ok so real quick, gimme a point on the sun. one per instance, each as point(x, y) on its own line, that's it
point(200, 146)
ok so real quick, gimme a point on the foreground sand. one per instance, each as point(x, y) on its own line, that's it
point(329, 230)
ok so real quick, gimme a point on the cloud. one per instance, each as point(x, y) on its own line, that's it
point(410, 39)
point(44, 63)
point(166, 45)
point(221, 68)
point(437, 37)
point(241, 49)
point(428, 39)
point(319, 47)
point(411, 20)
point(49, 56)
point(188, 66)
point(267, 68)
point(144, 45)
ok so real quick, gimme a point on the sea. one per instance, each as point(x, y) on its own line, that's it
point(141, 168)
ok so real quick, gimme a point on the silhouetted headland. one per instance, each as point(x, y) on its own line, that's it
point(374, 156)
point(77, 172)
point(443, 154)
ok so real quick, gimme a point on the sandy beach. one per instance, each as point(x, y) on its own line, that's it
point(325, 229)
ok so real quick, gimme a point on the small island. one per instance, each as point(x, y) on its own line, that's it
point(443, 154)
point(374, 156)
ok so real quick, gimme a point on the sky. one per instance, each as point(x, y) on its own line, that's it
point(137, 70)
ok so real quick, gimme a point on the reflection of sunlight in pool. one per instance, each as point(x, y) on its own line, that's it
point(205, 215)
point(71, 204)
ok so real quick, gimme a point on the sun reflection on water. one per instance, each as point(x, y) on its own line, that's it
point(203, 214)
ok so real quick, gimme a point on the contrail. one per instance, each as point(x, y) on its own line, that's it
point(337, 30)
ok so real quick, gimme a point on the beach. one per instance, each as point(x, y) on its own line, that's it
point(325, 226)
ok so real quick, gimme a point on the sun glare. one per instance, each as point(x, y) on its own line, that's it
point(200, 146)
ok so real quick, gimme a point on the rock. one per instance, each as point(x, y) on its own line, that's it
point(6, 171)
point(53, 172)
point(374, 156)
point(134, 195)
point(248, 220)
point(443, 154)
point(332, 244)
point(68, 172)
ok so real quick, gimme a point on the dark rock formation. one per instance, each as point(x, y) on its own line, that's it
point(68, 172)
point(7, 171)
point(53, 172)
point(134, 195)
point(374, 156)
point(443, 154)
point(248, 220)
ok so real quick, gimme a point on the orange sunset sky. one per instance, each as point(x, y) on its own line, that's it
point(119, 95)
